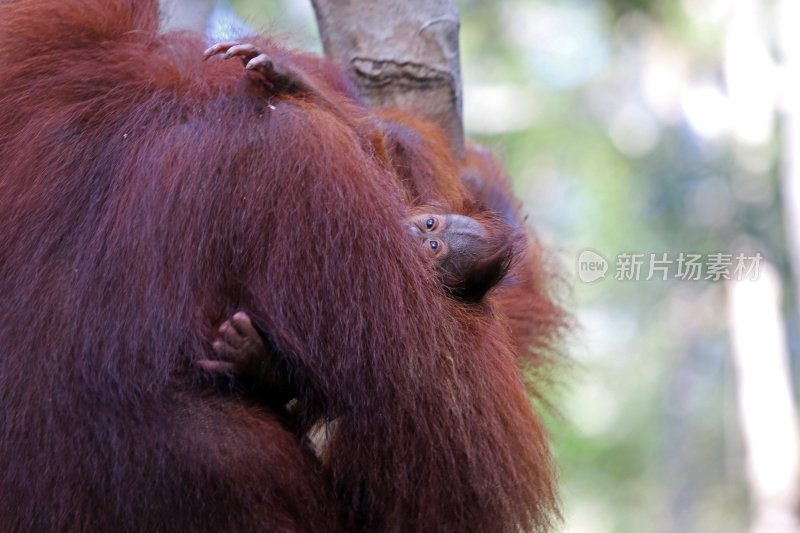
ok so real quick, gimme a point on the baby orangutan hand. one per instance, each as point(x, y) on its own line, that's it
point(243, 352)
point(241, 349)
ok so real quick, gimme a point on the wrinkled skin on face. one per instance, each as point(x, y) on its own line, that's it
point(449, 236)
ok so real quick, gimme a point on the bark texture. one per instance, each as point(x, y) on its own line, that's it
point(400, 53)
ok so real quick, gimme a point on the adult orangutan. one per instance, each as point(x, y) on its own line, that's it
point(147, 195)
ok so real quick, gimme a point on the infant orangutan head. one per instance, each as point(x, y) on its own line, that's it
point(470, 254)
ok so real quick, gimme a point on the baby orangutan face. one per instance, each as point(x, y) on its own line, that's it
point(440, 235)
point(469, 256)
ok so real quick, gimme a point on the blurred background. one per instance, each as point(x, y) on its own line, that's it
point(648, 132)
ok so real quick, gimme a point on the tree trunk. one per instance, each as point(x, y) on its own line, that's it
point(400, 53)
point(766, 402)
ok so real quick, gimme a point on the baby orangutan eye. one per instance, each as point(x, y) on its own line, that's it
point(430, 223)
point(434, 245)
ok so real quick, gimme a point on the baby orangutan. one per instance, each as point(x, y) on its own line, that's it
point(469, 254)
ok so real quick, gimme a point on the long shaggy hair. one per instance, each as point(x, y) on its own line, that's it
point(146, 195)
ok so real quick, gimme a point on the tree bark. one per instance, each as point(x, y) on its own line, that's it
point(400, 53)
point(766, 401)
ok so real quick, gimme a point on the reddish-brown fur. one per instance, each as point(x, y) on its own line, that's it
point(430, 175)
point(525, 296)
point(145, 196)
